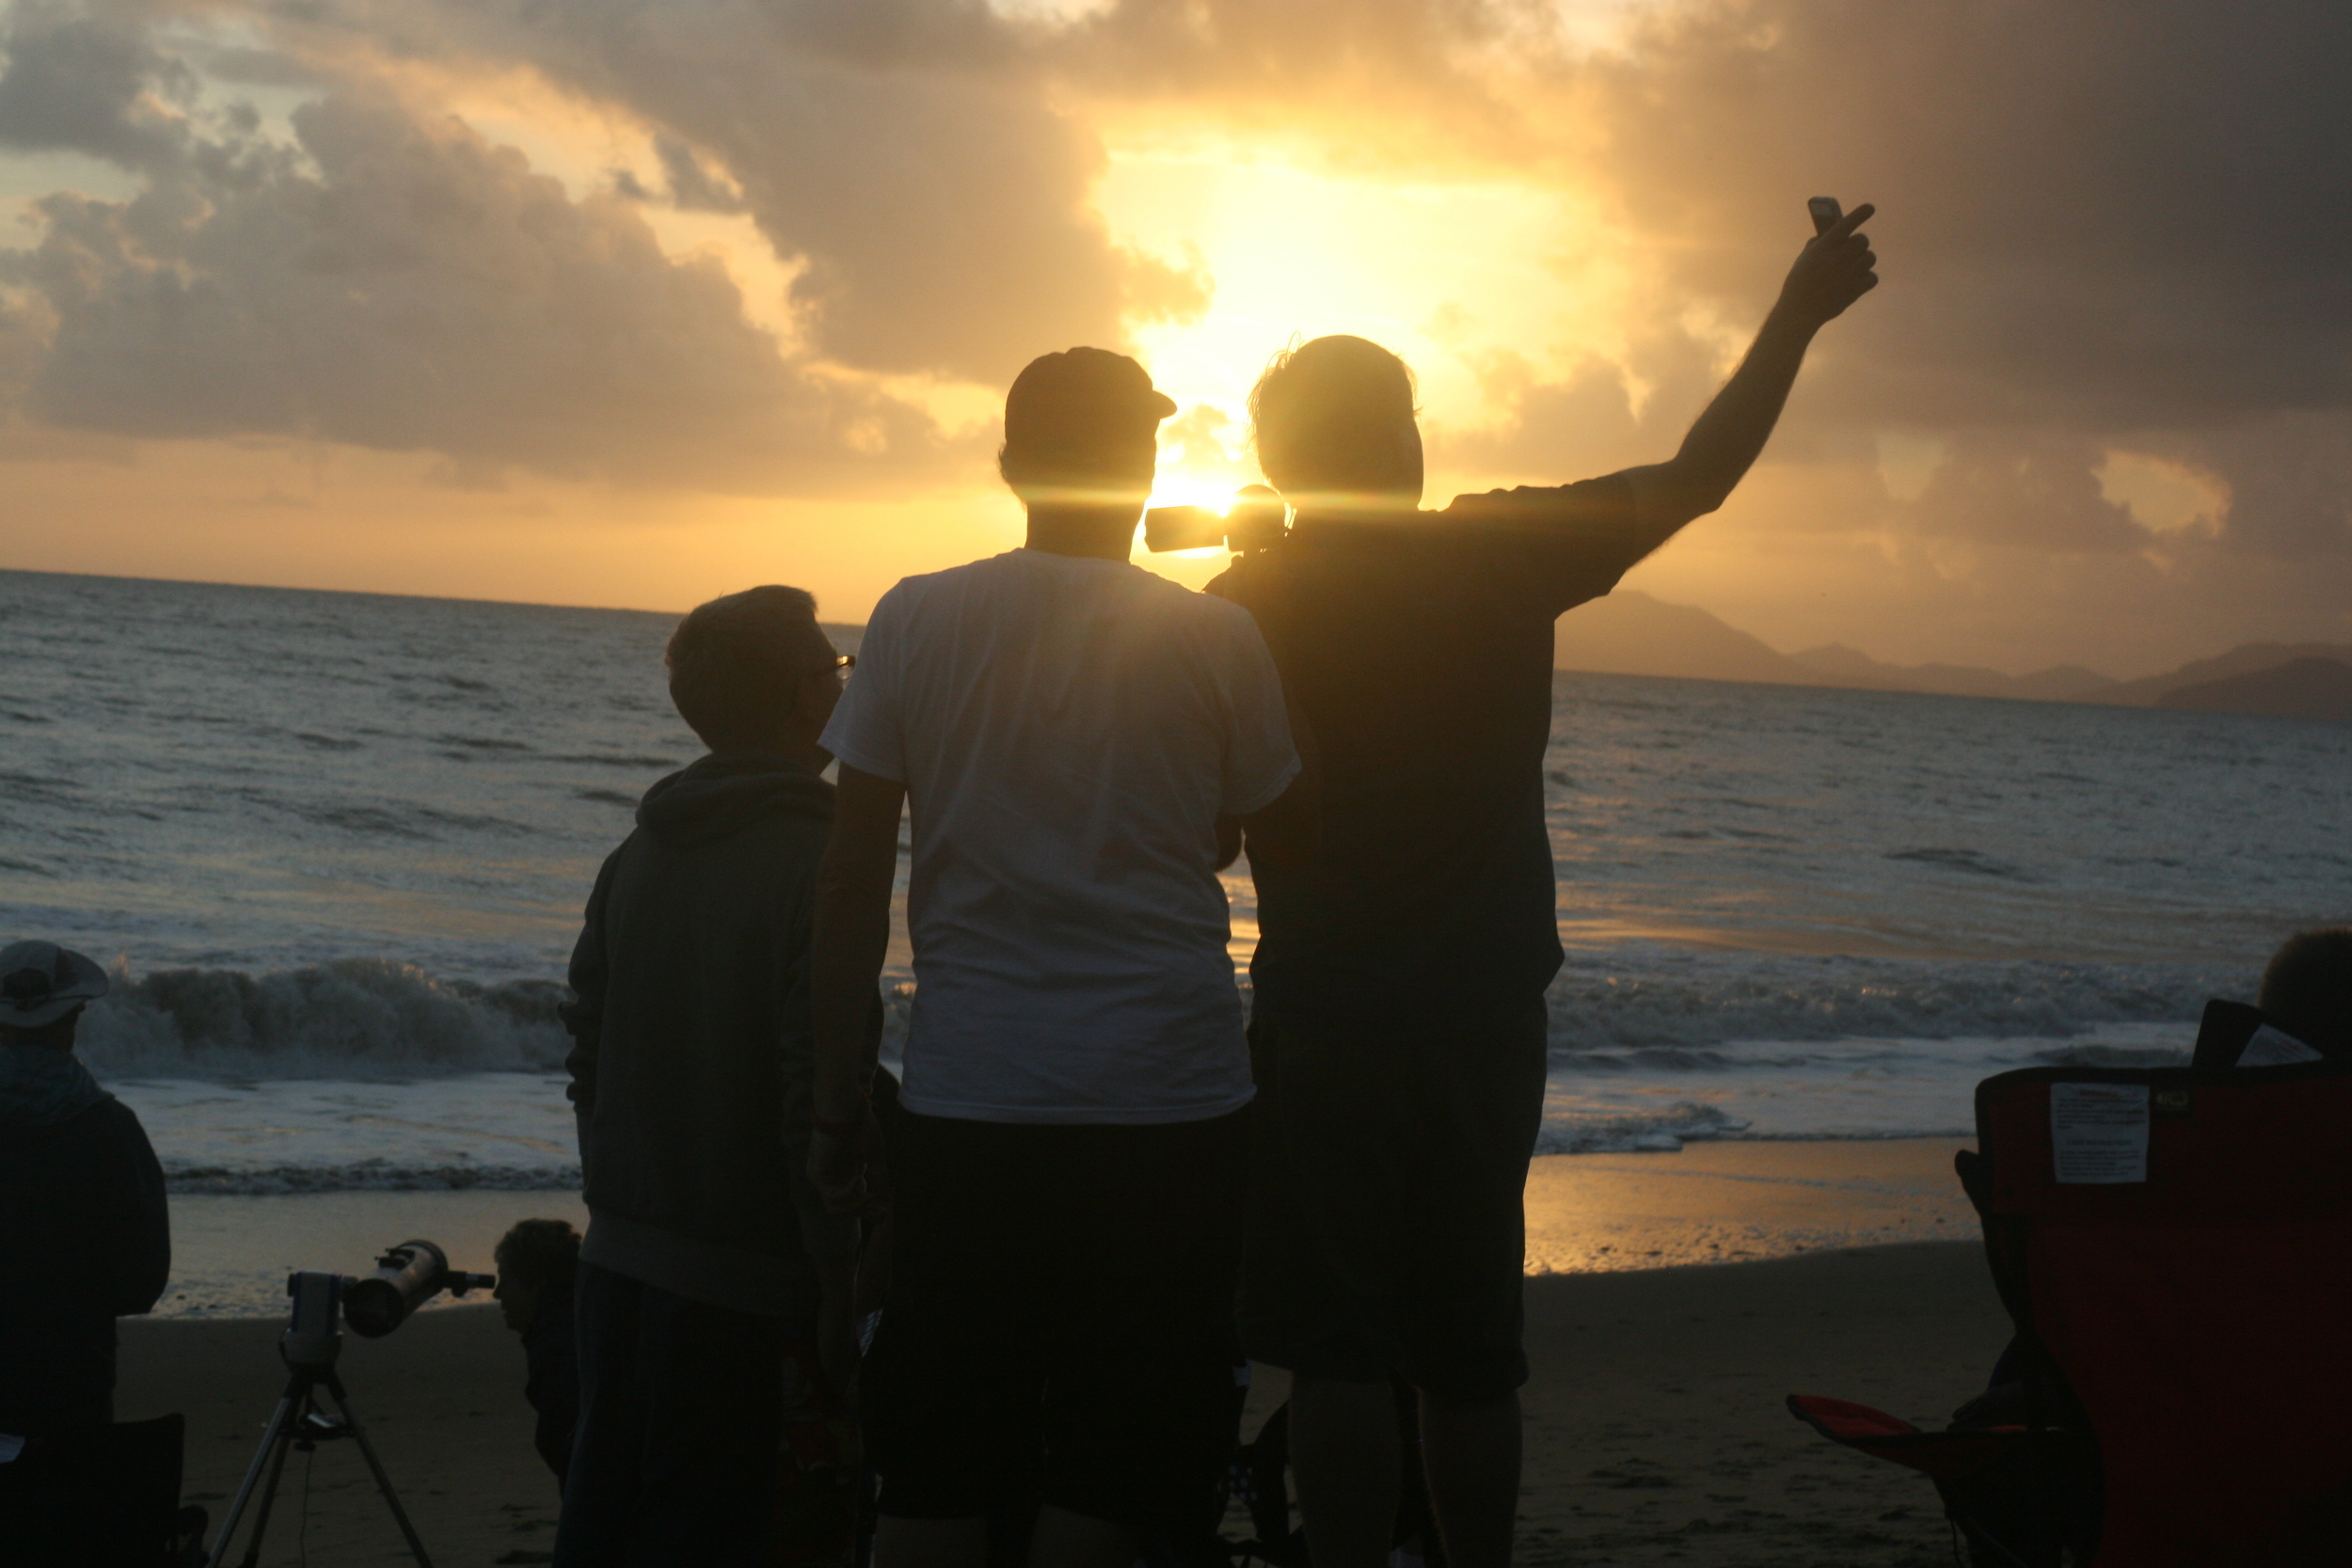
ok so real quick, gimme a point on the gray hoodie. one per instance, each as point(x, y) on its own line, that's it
point(690, 1065)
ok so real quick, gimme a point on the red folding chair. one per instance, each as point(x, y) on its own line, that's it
point(2176, 1247)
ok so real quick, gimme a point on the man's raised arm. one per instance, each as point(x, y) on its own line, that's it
point(1831, 272)
point(852, 939)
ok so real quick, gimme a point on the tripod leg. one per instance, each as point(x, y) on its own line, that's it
point(383, 1482)
point(279, 1425)
point(269, 1495)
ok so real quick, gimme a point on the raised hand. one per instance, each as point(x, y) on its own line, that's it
point(1832, 272)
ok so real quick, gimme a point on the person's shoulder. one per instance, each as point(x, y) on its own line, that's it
point(1212, 610)
point(106, 1124)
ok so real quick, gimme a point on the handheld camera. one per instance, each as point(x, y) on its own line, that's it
point(1258, 521)
point(1825, 211)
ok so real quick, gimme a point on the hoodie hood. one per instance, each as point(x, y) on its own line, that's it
point(41, 1087)
point(727, 792)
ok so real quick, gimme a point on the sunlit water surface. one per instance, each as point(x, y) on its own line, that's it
point(336, 847)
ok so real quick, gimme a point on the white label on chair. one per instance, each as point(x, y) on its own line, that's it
point(11, 1446)
point(2274, 1048)
point(2098, 1131)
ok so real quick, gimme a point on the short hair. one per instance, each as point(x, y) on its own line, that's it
point(2307, 987)
point(539, 1252)
point(732, 660)
point(1311, 411)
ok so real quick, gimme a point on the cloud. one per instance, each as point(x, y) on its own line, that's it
point(2032, 489)
point(396, 283)
point(2099, 218)
point(2100, 227)
point(80, 84)
point(906, 153)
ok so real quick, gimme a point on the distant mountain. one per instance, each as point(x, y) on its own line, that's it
point(2063, 683)
point(2246, 659)
point(2308, 687)
point(1629, 633)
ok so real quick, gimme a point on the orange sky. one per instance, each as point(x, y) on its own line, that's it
point(537, 312)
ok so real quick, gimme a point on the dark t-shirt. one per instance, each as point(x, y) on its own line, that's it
point(1417, 660)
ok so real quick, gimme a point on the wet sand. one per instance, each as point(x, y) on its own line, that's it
point(1655, 1423)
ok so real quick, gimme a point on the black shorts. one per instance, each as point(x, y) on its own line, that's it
point(1059, 1328)
point(1388, 1182)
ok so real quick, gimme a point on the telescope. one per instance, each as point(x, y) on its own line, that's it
point(406, 1277)
point(1258, 521)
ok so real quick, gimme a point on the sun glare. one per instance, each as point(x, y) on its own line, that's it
point(1447, 276)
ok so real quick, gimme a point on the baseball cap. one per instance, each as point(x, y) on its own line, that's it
point(1071, 403)
point(40, 982)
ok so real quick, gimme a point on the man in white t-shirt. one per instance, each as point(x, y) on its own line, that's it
point(1067, 732)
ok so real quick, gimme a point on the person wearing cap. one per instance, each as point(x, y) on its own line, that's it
point(83, 1221)
point(1065, 731)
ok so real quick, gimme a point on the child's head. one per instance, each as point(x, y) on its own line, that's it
point(533, 1259)
point(753, 671)
point(2307, 991)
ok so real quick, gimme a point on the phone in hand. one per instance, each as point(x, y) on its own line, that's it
point(1826, 213)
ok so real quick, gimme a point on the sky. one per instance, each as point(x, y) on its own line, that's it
point(637, 302)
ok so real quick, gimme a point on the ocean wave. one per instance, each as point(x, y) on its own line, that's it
point(352, 1017)
point(1668, 1015)
point(1744, 1013)
point(376, 1176)
point(1660, 1132)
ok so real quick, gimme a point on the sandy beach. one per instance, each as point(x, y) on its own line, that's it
point(1655, 1423)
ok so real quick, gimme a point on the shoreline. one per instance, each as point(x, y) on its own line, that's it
point(1655, 1428)
point(1710, 1204)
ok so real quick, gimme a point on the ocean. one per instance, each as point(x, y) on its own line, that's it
point(335, 845)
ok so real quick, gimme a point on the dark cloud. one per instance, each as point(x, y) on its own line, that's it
point(905, 151)
point(409, 286)
point(2105, 218)
point(76, 83)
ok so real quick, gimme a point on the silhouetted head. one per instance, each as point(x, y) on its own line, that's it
point(1082, 430)
point(1333, 421)
point(43, 989)
point(754, 673)
point(533, 1259)
point(2307, 989)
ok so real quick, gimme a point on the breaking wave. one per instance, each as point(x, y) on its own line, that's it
point(363, 1017)
point(348, 1017)
point(1673, 1017)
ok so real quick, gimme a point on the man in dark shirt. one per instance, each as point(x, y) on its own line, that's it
point(1398, 1033)
point(84, 1230)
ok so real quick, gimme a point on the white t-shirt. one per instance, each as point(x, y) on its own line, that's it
point(1068, 729)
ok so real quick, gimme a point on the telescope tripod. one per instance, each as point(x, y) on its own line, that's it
point(299, 1423)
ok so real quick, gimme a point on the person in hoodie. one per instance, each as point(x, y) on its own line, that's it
point(707, 1253)
point(83, 1223)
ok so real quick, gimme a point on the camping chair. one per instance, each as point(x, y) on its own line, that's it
point(106, 1496)
point(2175, 1248)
